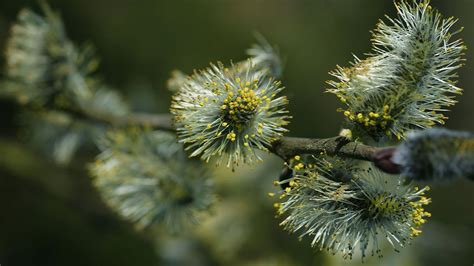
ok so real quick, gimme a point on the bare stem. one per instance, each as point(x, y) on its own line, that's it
point(285, 147)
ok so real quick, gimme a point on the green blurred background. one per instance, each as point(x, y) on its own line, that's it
point(51, 215)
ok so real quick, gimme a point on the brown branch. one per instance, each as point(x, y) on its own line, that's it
point(285, 148)
point(288, 147)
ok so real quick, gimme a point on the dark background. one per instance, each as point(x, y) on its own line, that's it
point(50, 215)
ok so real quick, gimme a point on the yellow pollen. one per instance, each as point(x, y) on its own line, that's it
point(231, 136)
point(415, 232)
point(299, 166)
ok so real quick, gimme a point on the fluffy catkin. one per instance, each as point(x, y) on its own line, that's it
point(436, 154)
point(408, 80)
point(348, 210)
point(229, 113)
point(146, 177)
